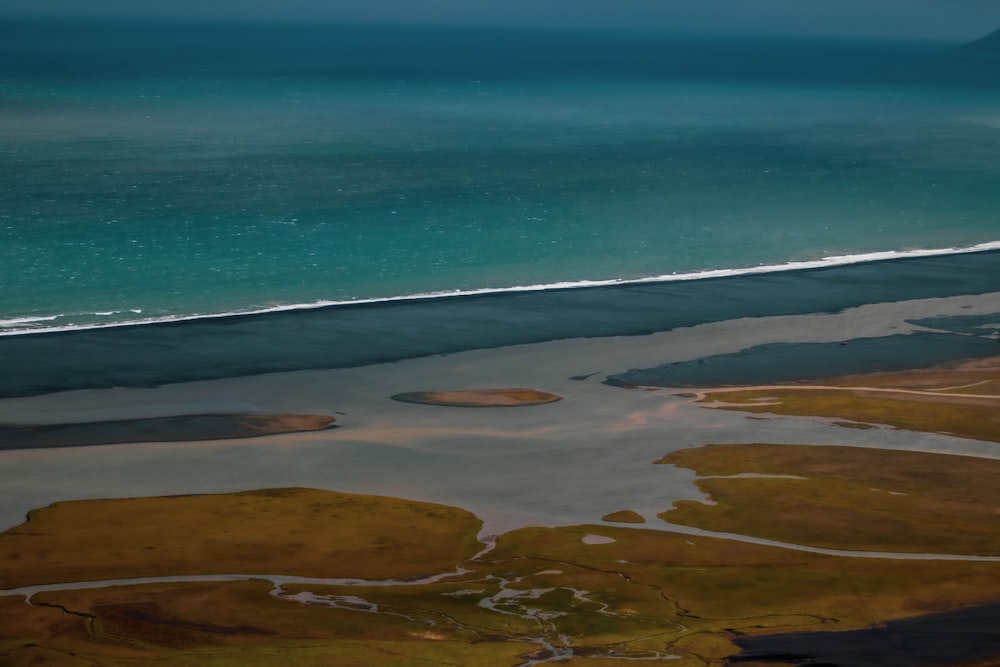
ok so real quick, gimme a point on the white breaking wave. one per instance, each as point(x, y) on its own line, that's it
point(833, 260)
point(27, 320)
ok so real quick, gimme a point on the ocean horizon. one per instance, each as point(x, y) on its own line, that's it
point(390, 345)
point(167, 171)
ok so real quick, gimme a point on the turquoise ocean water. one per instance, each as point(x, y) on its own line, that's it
point(163, 171)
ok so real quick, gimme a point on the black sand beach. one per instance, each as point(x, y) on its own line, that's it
point(346, 336)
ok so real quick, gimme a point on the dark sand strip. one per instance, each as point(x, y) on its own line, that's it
point(775, 363)
point(357, 335)
point(182, 428)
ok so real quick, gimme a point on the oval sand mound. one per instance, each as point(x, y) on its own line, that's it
point(480, 398)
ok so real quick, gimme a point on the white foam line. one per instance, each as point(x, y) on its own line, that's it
point(26, 320)
point(835, 260)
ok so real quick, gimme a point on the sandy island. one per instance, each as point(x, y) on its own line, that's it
point(480, 398)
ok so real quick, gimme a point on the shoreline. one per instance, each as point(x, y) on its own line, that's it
point(362, 335)
point(585, 284)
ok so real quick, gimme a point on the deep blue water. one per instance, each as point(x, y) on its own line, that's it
point(160, 171)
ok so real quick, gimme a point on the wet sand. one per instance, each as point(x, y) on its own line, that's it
point(180, 428)
point(480, 398)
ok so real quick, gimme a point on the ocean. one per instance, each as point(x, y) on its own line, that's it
point(155, 172)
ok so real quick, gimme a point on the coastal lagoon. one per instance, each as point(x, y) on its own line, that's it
point(544, 481)
point(277, 230)
point(537, 465)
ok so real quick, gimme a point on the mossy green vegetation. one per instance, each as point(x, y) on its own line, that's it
point(647, 594)
point(624, 516)
point(958, 399)
point(846, 497)
point(304, 532)
point(235, 623)
point(977, 418)
point(714, 589)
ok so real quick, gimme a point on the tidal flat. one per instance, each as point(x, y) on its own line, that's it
point(539, 533)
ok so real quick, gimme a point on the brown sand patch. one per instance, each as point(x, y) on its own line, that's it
point(480, 398)
point(846, 497)
point(624, 516)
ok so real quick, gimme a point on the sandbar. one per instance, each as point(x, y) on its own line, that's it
point(480, 398)
point(180, 428)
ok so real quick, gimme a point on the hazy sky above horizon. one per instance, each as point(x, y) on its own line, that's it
point(942, 19)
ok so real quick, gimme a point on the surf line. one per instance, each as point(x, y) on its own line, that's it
point(797, 265)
